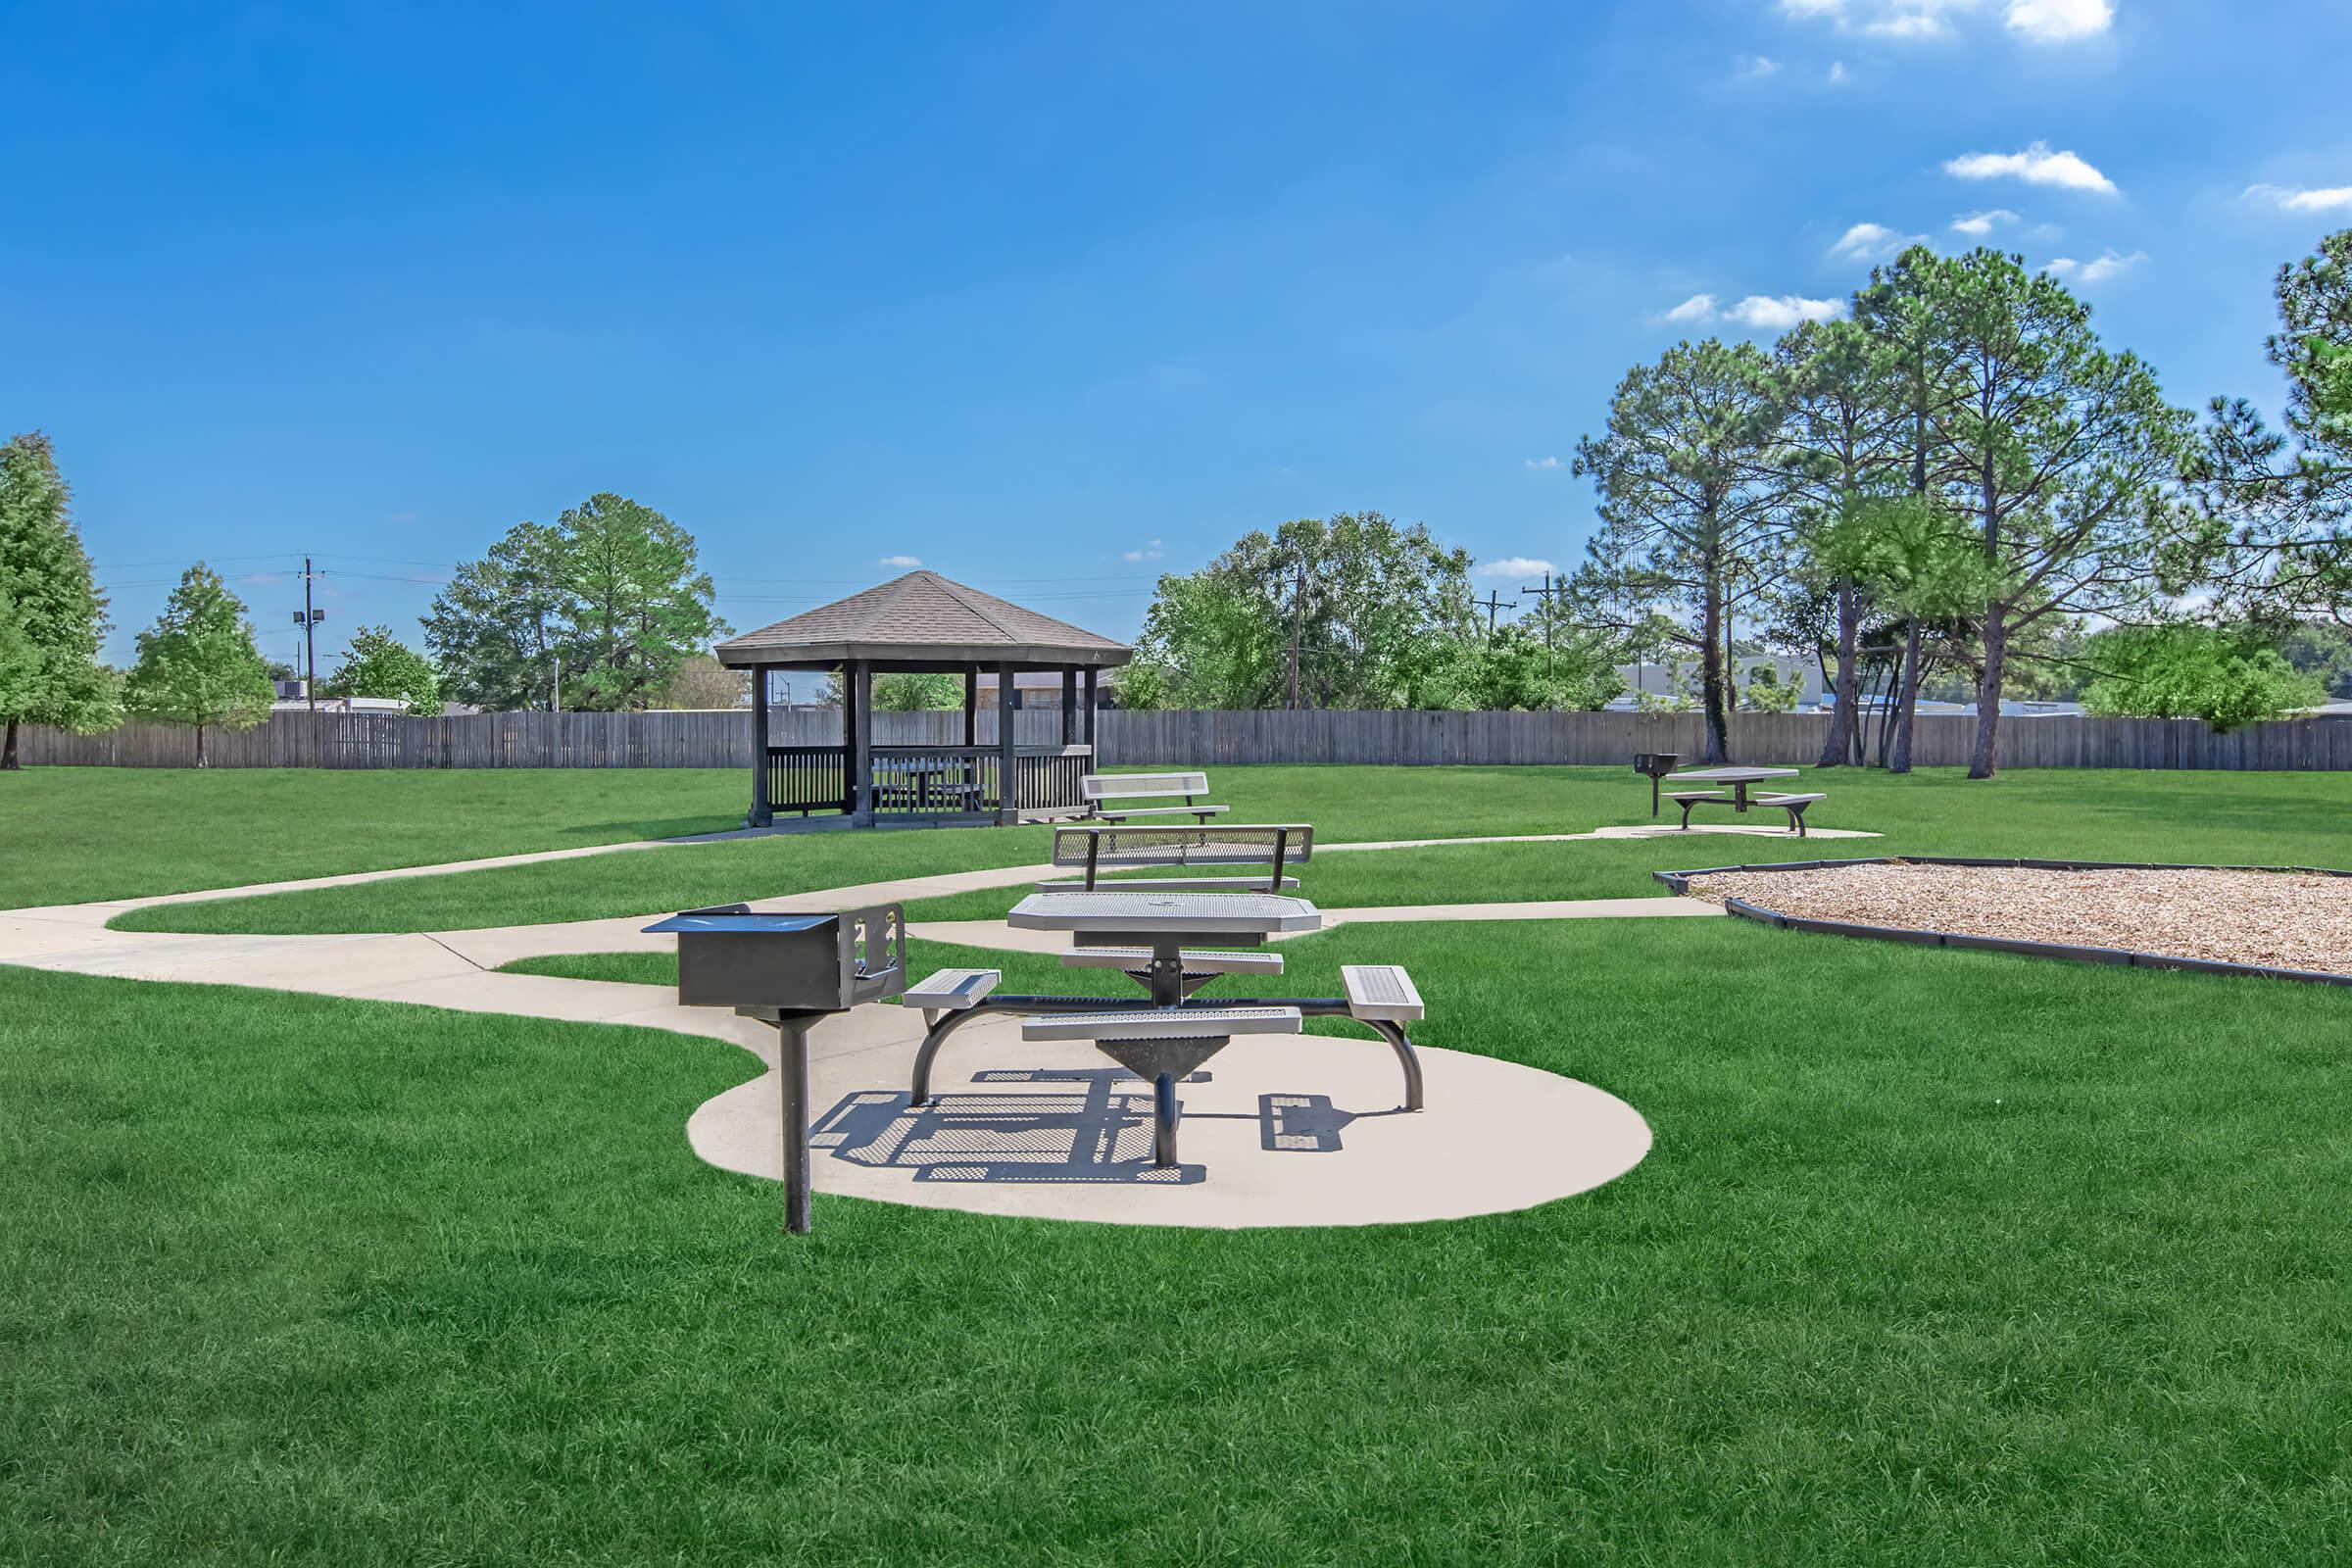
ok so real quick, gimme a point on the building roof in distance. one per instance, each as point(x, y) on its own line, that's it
point(921, 617)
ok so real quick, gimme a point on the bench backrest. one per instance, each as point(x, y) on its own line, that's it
point(1132, 786)
point(1123, 849)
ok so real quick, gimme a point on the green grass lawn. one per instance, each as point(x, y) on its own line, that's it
point(1939, 1257)
point(2296, 818)
point(72, 834)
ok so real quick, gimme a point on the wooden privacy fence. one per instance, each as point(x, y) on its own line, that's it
point(1178, 740)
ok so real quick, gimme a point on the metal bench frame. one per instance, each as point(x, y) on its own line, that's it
point(1090, 791)
point(1794, 805)
point(1293, 845)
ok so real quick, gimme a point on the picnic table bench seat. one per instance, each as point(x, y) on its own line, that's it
point(950, 990)
point(1163, 1023)
point(1794, 805)
point(1187, 883)
point(1381, 991)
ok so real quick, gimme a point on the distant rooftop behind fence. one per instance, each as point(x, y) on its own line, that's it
point(721, 739)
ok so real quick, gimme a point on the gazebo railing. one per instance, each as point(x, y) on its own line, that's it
point(928, 780)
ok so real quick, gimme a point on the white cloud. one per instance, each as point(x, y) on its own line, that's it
point(1151, 550)
point(2034, 20)
point(1542, 462)
point(2330, 199)
point(1838, 75)
point(2097, 270)
point(902, 561)
point(1883, 19)
point(1871, 242)
point(1754, 68)
point(1698, 308)
point(2035, 165)
point(1782, 312)
point(1976, 225)
point(2059, 20)
point(1516, 567)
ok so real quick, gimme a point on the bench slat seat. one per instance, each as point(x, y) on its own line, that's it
point(1163, 1023)
point(1120, 813)
point(1784, 799)
point(951, 990)
point(1381, 991)
point(1196, 960)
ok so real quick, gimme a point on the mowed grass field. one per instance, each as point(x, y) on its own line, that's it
point(2298, 819)
point(1939, 1257)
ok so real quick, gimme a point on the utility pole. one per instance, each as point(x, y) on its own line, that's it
point(1547, 594)
point(1490, 603)
point(307, 619)
point(1298, 624)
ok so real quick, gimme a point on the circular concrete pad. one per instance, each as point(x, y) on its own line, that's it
point(1285, 1130)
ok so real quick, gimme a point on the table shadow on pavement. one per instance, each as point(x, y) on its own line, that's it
point(1098, 1131)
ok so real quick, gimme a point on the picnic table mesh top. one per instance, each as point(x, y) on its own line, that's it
point(1138, 910)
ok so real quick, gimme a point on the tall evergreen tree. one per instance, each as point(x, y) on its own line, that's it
point(56, 616)
point(197, 664)
point(496, 631)
point(636, 606)
point(1692, 502)
point(2062, 455)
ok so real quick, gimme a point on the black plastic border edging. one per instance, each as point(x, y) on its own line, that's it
point(1679, 882)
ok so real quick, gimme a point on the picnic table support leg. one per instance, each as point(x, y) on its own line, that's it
point(792, 1075)
point(1406, 1057)
point(1163, 1121)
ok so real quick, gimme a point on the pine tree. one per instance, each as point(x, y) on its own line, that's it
point(197, 664)
point(56, 617)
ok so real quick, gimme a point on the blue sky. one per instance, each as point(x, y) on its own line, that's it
point(1049, 297)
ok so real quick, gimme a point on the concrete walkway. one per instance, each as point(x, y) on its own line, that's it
point(1300, 1131)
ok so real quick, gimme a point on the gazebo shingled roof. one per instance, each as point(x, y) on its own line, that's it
point(918, 618)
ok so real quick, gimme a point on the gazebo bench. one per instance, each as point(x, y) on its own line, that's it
point(1794, 805)
point(1105, 795)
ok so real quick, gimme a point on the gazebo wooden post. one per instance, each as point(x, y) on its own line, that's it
point(1069, 706)
point(1008, 787)
point(763, 812)
point(859, 703)
point(971, 706)
point(1089, 730)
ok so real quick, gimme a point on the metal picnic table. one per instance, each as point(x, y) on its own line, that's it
point(1738, 778)
point(1156, 931)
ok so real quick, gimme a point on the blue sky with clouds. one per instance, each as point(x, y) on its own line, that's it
point(1050, 298)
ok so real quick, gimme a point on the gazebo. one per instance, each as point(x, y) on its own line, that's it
point(921, 622)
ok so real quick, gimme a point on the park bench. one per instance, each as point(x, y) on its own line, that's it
point(1106, 793)
point(1794, 805)
point(1095, 850)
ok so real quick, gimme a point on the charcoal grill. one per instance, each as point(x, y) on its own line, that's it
point(1655, 765)
point(789, 969)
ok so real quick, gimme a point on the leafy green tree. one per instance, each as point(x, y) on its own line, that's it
point(1350, 612)
point(636, 603)
point(496, 631)
point(2227, 676)
point(49, 669)
point(918, 692)
point(2065, 455)
point(197, 664)
point(701, 682)
point(2275, 507)
point(1516, 670)
point(379, 664)
point(1693, 504)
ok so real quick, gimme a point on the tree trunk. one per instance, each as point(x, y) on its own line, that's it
point(8, 749)
point(200, 746)
point(1989, 695)
point(1841, 738)
point(1710, 681)
point(1906, 704)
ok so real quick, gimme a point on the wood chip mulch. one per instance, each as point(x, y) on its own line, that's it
point(2280, 919)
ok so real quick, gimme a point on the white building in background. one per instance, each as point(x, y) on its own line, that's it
point(1669, 678)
